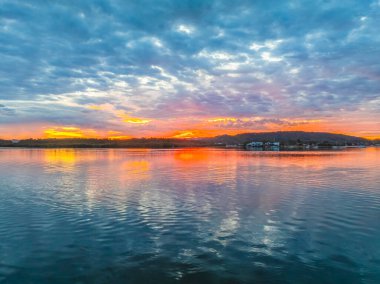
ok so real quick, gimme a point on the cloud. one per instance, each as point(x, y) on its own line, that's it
point(255, 122)
point(167, 59)
point(5, 111)
point(69, 132)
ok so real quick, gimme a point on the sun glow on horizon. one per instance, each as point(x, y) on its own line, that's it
point(69, 132)
point(191, 128)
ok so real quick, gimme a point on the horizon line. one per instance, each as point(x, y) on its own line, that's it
point(125, 137)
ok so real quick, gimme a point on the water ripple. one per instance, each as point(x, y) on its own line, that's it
point(189, 216)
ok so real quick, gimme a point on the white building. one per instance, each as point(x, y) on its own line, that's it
point(273, 144)
point(255, 144)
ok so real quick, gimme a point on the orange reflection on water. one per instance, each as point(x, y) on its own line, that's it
point(120, 173)
point(64, 156)
point(135, 171)
point(192, 155)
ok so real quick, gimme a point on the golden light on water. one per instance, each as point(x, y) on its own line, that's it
point(63, 156)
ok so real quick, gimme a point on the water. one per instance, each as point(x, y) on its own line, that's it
point(189, 216)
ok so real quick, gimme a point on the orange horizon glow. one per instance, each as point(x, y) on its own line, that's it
point(184, 134)
point(185, 129)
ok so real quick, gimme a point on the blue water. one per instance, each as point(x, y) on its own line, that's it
point(189, 216)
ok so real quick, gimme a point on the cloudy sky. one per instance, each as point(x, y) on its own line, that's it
point(188, 68)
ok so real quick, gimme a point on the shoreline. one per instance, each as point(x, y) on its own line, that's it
point(281, 149)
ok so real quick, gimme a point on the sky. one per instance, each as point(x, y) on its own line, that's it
point(188, 68)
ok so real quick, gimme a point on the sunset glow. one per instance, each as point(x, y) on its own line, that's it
point(189, 141)
point(135, 120)
point(310, 68)
point(69, 132)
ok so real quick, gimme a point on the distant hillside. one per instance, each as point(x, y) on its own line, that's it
point(289, 137)
point(105, 143)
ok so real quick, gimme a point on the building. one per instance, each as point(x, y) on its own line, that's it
point(272, 144)
point(255, 144)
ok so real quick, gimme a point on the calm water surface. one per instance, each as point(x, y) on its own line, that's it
point(189, 216)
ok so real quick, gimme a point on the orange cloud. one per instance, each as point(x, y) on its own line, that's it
point(202, 133)
point(96, 107)
point(222, 119)
point(184, 134)
point(119, 113)
point(70, 132)
point(119, 137)
point(129, 119)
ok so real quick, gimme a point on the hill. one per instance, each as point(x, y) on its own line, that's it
point(290, 137)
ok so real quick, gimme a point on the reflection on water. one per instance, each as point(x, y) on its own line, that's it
point(189, 215)
point(64, 156)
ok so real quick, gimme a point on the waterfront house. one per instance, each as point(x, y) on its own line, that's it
point(255, 144)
